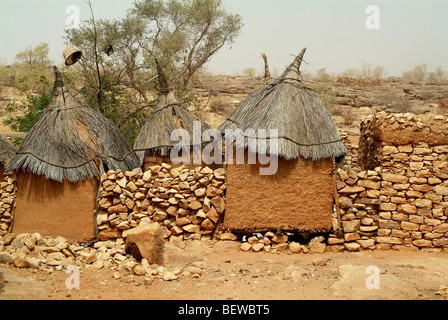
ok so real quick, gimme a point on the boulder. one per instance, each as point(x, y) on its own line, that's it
point(295, 247)
point(146, 242)
point(317, 245)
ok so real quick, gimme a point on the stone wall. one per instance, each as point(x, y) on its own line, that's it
point(406, 196)
point(188, 203)
point(356, 218)
point(7, 202)
point(351, 142)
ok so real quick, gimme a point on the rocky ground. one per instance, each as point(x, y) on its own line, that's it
point(224, 272)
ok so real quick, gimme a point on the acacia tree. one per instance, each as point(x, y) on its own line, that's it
point(185, 34)
point(32, 68)
point(34, 56)
point(182, 34)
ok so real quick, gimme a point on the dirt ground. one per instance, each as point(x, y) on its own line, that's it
point(231, 274)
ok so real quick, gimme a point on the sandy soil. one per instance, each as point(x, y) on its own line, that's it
point(230, 274)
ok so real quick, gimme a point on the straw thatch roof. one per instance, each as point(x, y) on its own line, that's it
point(7, 151)
point(305, 128)
point(169, 115)
point(70, 140)
point(267, 72)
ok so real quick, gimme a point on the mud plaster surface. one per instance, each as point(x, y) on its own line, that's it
point(55, 209)
point(298, 198)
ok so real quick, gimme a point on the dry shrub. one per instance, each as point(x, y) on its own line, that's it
point(443, 103)
point(405, 106)
point(442, 106)
point(401, 106)
point(349, 118)
point(219, 106)
point(338, 112)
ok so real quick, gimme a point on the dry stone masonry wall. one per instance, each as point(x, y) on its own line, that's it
point(412, 186)
point(187, 202)
point(351, 142)
point(7, 203)
point(356, 218)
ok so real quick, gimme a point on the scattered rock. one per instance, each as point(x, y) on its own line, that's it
point(146, 241)
point(21, 263)
point(169, 276)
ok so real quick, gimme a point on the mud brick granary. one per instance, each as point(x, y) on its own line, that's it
point(299, 196)
point(59, 164)
point(7, 152)
point(154, 142)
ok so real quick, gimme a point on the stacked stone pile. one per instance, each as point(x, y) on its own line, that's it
point(278, 242)
point(385, 129)
point(7, 202)
point(188, 203)
point(356, 82)
point(31, 250)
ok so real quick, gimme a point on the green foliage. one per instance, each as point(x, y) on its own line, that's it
point(118, 114)
point(32, 111)
point(182, 34)
point(32, 70)
point(191, 102)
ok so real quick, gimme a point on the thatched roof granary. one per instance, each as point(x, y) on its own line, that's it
point(305, 127)
point(298, 196)
point(69, 141)
point(7, 151)
point(154, 139)
point(58, 168)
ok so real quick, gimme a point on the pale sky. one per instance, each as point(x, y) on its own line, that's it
point(333, 31)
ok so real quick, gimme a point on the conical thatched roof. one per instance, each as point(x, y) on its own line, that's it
point(267, 72)
point(305, 128)
point(7, 151)
point(168, 115)
point(70, 139)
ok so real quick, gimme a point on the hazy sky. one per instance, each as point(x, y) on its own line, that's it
point(333, 31)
